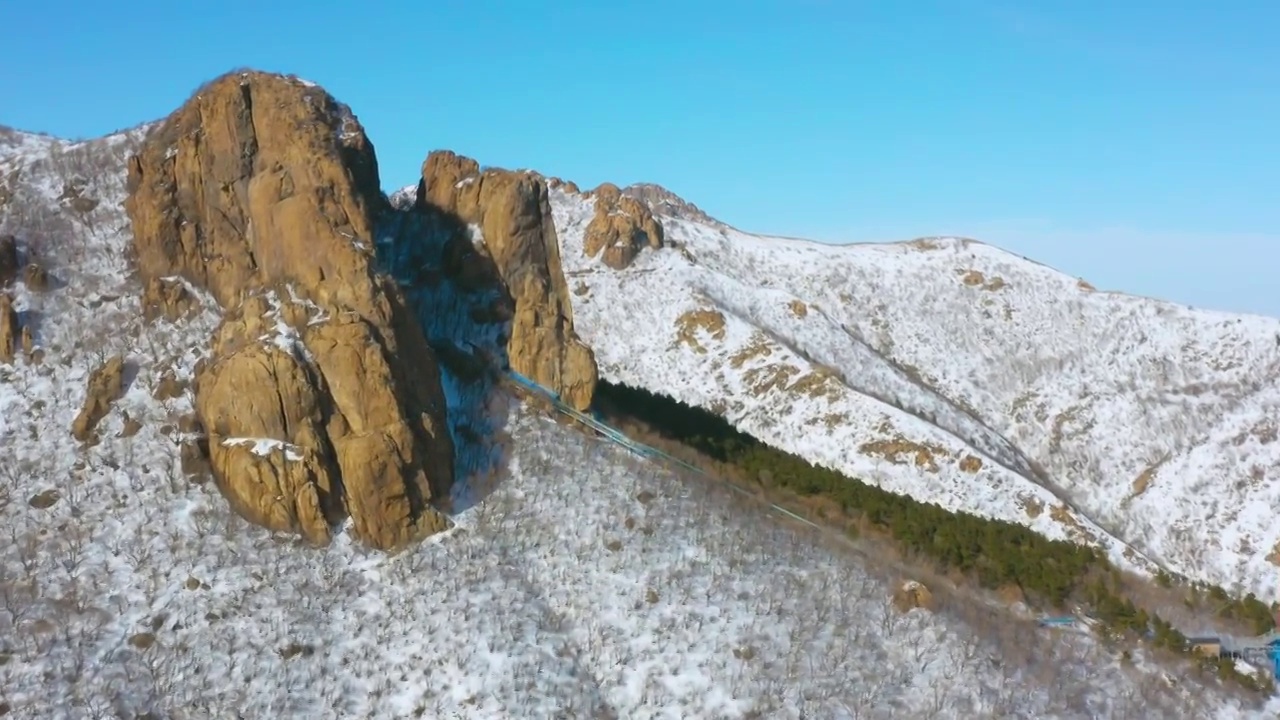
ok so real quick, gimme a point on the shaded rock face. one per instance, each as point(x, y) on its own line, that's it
point(321, 399)
point(520, 251)
point(167, 298)
point(12, 267)
point(8, 259)
point(621, 227)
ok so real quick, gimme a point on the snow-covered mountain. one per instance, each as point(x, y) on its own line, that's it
point(955, 372)
point(589, 583)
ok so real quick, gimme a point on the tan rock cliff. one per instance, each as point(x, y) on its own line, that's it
point(513, 212)
point(322, 398)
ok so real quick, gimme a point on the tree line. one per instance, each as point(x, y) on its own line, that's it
point(993, 553)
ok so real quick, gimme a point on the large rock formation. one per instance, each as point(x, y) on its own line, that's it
point(513, 213)
point(621, 227)
point(321, 398)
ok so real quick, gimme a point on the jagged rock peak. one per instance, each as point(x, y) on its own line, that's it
point(662, 201)
point(263, 190)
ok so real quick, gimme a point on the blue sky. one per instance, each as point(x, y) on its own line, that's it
point(1131, 143)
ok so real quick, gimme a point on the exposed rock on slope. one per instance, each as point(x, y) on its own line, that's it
point(664, 202)
point(167, 297)
point(1038, 401)
point(9, 329)
point(512, 211)
point(8, 258)
point(321, 397)
point(104, 387)
point(621, 227)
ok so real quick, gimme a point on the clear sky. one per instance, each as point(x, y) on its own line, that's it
point(1130, 142)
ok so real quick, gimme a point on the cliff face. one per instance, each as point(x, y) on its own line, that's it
point(321, 398)
point(521, 251)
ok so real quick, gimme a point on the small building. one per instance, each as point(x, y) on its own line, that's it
point(1208, 645)
point(1262, 651)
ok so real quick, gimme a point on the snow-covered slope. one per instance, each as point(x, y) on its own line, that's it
point(1144, 427)
point(588, 584)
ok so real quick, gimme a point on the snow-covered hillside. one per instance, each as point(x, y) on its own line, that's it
point(587, 584)
point(958, 373)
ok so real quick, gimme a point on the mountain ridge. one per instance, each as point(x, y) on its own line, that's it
point(680, 229)
point(706, 246)
point(575, 579)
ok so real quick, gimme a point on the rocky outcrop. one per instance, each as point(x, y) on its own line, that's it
point(35, 277)
point(166, 297)
point(664, 202)
point(520, 247)
point(621, 227)
point(9, 266)
point(911, 595)
point(567, 186)
point(105, 385)
point(9, 329)
point(321, 398)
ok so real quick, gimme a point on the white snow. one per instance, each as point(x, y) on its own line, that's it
point(404, 198)
point(585, 584)
point(264, 447)
point(1067, 395)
